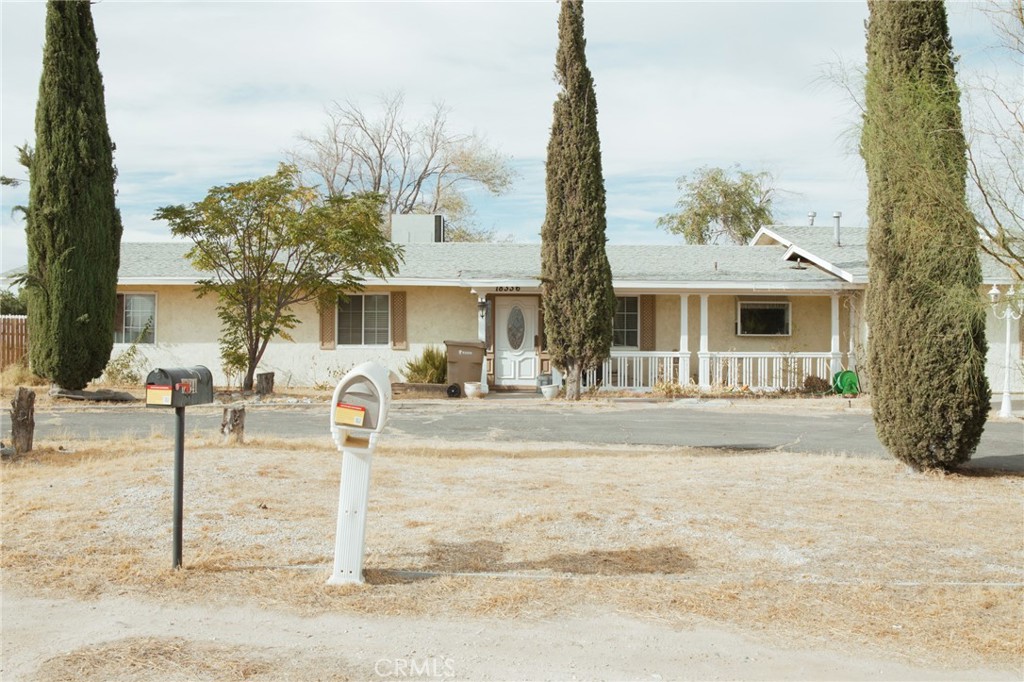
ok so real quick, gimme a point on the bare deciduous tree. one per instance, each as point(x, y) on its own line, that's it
point(421, 167)
point(995, 156)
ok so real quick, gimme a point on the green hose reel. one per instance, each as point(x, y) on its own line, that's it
point(846, 383)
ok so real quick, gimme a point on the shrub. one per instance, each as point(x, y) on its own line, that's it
point(815, 384)
point(429, 368)
point(126, 368)
point(670, 389)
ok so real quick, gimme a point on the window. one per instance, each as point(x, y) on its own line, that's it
point(363, 320)
point(625, 328)
point(763, 318)
point(135, 318)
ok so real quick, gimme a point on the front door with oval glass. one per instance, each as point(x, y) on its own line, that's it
point(515, 332)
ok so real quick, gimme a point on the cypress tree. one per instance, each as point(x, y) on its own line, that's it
point(579, 303)
point(926, 352)
point(73, 228)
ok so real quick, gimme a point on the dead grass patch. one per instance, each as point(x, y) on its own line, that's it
point(805, 549)
point(173, 659)
point(18, 374)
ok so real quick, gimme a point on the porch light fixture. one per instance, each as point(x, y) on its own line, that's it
point(481, 306)
point(1012, 310)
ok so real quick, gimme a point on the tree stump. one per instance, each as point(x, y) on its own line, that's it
point(265, 383)
point(23, 420)
point(232, 424)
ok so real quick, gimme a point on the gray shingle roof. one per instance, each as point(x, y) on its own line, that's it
point(157, 260)
point(819, 240)
point(655, 263)
point(680, 263)
point(677, 264)
point(852, 256)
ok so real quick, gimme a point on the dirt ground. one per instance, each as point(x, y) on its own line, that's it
point(567, 563)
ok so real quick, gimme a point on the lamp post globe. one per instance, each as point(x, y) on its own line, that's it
point(1010, 311)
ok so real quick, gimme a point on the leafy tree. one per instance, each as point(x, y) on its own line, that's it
point(714, 205)
point(273, 243)
point(13, 304)
point(579, 302)
point(926, 354)
point(73, 227)
point(419, 167)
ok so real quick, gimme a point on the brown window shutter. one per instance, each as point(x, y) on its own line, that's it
point(328, 323)
point(399, 333)
point(119, 314)
point(543, 341)
point(647, 327)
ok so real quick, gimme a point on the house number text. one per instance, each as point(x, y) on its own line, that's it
point(506, 289)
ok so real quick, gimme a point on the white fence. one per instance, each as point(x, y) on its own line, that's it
point(642, 371)
point(639, 370)
point(766, 370)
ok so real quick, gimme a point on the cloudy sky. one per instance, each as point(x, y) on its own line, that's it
point(206, 93)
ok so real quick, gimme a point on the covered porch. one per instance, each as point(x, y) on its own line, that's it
point(731, 339)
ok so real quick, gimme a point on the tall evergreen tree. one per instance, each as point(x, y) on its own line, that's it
point(926, 353)
point(579, 303)
point(73, 227)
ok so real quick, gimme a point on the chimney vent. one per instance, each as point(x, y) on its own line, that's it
point(837, 215)
point(810, 218)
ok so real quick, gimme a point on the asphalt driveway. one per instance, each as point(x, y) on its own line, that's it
point(717, 425)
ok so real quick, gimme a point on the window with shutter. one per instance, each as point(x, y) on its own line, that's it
point(364, 320)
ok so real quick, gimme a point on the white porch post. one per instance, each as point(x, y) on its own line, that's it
point(704, 357)
point(684, 339)
point(481, 333)
point(837, 357)
point(851, 355)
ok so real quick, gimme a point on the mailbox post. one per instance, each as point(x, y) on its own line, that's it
point(179, 387)
point(359, 412)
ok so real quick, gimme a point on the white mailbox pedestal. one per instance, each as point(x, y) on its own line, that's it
point(359, 411)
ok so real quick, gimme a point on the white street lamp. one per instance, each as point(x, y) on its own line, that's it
point(1011, 310)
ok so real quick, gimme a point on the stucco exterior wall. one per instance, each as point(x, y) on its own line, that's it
point(188, 329)
point(437, 314)
point(187, 332)
point(811, 324)
point(666, 323)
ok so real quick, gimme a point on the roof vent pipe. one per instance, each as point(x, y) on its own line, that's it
point(810, 218)
point(837, 215)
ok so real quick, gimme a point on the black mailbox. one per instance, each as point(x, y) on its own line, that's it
point(179, 387)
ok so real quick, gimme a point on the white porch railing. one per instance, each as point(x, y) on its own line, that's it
point(766, 370)
point(642, 370)
point(639, 370)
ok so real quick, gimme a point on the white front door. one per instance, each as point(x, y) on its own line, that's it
point(515, 348)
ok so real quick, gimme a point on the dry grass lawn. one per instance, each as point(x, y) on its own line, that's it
point(815, 551)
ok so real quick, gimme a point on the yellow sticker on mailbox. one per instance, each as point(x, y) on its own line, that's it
point(158, 395)
point(349, 415)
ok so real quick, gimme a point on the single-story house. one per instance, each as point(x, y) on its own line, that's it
point(767, 315)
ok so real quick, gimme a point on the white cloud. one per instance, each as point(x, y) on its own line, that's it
point(205, 93)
